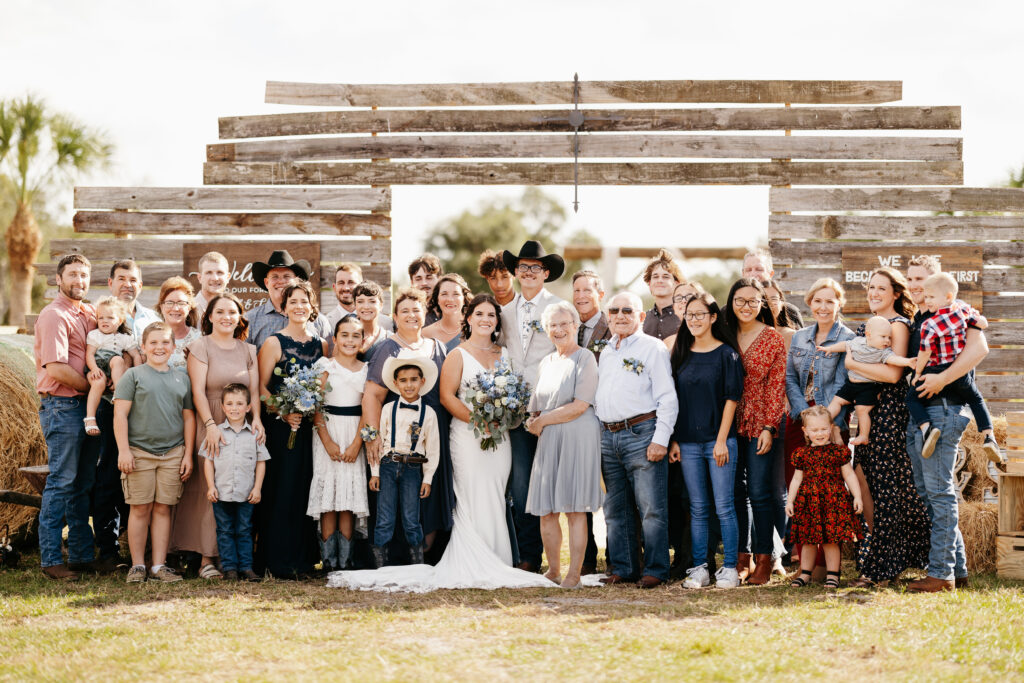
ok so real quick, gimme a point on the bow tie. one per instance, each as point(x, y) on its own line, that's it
point(408, 406)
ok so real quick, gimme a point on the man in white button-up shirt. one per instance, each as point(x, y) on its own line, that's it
point(637, 405)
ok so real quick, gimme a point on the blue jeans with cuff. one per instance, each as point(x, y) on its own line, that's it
point(399, 494)
point(707, 484)
point(234, 534)
point(72, 460)
point(634, 482)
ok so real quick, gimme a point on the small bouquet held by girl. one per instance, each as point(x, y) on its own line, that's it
point(301, 391)
point(498, 400)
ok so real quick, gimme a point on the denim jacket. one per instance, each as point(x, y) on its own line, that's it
point(830, 369)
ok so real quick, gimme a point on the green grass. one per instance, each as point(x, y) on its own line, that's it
point(102, 629)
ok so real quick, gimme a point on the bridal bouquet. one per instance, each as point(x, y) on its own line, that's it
point(498, 401)
point(301, 391)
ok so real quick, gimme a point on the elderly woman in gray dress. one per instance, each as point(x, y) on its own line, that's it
point(566, 475)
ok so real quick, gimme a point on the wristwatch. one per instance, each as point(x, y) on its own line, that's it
point(771, 430)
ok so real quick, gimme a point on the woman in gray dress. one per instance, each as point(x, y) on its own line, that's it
point(566, 474)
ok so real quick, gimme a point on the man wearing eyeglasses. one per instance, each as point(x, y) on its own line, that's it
point(526, 344)
point(637, 405)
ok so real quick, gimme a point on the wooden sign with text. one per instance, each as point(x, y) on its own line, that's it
point(241, 256)
point(962, 262)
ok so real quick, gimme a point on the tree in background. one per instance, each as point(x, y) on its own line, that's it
point(502, 224)
point(40, 154)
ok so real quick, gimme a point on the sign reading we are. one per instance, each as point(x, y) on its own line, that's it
point(962, 262)
point(241, 256)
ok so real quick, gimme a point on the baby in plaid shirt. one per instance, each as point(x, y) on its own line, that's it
point(943, 338)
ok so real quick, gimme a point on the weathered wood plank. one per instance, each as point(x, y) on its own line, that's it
point(590, 92)
point(785, 252)
point(233, 223)
point(1001, 386)
point(561, 173)
point(993, 280)
point(909, 228)
point(154, 274)
point(897, 199)
point(1004, 307)
point(361, 251)
point(1007, 333)
point(234, 198)
point(595, 120)
point(596, 252)
point(590, 146)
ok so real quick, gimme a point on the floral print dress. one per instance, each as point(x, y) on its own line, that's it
point(823, 508)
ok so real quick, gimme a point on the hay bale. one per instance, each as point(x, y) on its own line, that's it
point(21, 438)
point(977, 462)
point(979, 524)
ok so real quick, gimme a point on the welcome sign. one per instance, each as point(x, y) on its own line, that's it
point(962, 262)
point(241, 256)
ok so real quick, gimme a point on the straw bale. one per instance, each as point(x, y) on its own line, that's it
point(977, 462)
point(979, 524)
point(21, 437)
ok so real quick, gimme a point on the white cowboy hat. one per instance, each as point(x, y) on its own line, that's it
point(406, 357)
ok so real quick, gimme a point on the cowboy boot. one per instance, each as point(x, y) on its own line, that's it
point(328, 552)
point(344, 548)
point(416, 555)
point(762, 573)
point(743, 566)
point(380, 556)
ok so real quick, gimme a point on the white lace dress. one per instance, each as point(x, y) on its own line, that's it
point(339, 486)
point(479, 554)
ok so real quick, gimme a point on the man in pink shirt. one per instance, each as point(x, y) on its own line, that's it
point(60, 335)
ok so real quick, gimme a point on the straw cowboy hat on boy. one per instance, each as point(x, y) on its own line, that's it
point(534, 251)
point(279, 259)
point(406, 357)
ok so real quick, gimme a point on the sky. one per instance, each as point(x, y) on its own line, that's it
point(156, 76)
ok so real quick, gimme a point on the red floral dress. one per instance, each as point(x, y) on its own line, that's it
point(764, 384)
point(823, 509)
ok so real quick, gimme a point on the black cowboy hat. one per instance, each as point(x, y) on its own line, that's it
point(279, 259)
point(534, 251)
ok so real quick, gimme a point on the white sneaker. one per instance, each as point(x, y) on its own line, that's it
point(726, 577)
point(697, 577)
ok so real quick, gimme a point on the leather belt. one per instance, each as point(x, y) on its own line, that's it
point(627, 423)
point(407, 459)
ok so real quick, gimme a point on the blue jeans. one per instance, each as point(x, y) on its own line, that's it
point(108, 509)
point(933, 478)
point(634, 482)
point(524, 446)
point(706, 480)
point(755, 479)
point(234, 534)
point(399, 493)
point(72, 459)
point(780, 491)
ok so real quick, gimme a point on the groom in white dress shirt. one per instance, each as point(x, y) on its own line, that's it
point(526, 344)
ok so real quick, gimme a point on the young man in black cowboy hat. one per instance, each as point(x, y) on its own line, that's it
point(274, 276)
point(527, 344)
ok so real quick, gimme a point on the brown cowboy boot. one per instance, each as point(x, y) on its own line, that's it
point(762, 573)
point(743, 566)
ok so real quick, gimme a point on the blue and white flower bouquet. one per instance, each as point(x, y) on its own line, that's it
point(301, 391)
point(498, 401)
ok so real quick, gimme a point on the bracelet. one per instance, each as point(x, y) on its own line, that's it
point(210, 422)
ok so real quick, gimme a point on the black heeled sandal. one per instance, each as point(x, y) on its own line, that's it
point(800, 581)
point(831, 579)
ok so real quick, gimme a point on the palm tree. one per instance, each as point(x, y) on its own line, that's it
point(40, 153)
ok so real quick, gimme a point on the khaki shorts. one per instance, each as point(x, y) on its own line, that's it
point(156, 478)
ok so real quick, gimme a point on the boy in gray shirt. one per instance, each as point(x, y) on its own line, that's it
point(234, 479)
point(861, 391)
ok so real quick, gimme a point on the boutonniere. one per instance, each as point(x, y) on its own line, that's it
point(414, 430)
point(633, 365)
point(368, 433)
point(598, 345)
point(535, 326)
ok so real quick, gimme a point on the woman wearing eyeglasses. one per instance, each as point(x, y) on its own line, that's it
point(757, 417)
point(177, 306)
point(708, 375)
point(683, 293)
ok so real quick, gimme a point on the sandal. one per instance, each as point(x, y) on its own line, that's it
point(800, 581)
point(91, 428)
point(831, 579)
point(209, 571)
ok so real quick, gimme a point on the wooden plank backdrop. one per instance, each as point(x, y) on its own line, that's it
point(807, 247)
point(594, 120)
point(245, 199)
point(592, 92)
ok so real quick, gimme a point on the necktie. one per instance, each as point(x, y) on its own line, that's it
point(527, 323)
point(406, 406)
point(580, 334)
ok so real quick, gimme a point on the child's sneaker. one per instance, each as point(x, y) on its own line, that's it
point(727, 577)
point(167, 575)
point(697, 577)
point(931, 440)
point(137, 575)
point(991, 449)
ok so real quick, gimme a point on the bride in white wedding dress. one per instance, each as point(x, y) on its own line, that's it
point(479, 554)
